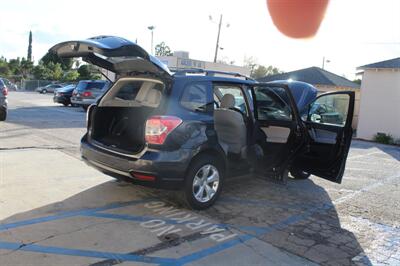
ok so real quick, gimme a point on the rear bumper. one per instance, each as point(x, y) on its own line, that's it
point(168, 167)
point(82, 102)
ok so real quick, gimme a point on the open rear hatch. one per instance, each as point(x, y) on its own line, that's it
point(117, 122)
point(115, 54)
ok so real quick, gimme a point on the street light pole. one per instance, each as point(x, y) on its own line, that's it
point(217, 45)
point(151, 28)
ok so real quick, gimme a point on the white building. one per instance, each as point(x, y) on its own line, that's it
point(180, 60)
point(380, 99)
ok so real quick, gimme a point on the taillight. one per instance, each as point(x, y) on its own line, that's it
point(158, 128)
point(87, 94)
point(5, 91)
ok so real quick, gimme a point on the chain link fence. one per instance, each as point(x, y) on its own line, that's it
point(31, 85)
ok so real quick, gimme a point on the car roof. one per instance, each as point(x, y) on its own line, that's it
point(214, 78)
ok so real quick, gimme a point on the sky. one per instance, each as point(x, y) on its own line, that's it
point(353, 32)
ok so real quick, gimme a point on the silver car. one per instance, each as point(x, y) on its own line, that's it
point(87, 91)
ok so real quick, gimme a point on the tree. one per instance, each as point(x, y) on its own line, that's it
point(262, 71)
point(162, 49)
point(258, 71)
point(71, 75)
point(50, 71)
point(358, 81)
point(88, 72)
point(29, 57)
point(26, 67)
point(4, 68)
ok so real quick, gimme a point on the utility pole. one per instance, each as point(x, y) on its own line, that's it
point(323, 62)
point(151, 28)
point(217, 45)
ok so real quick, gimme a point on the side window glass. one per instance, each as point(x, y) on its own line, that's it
point(271, 105)
point(330, 109)
point(194, 97)
point(240, 103)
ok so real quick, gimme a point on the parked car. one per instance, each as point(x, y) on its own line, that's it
point(63, 95)
point(326, 113)
point(11, 86)
point(3, 100)
point(49, 88)
point(192, 131)
point(87, 91)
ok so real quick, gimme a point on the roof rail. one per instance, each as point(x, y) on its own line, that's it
point(210, 73)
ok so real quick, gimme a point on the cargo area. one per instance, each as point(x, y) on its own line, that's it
point(119, 120)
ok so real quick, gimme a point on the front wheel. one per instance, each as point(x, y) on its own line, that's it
point(298, 173)
point(44, 91)
point(203, 182)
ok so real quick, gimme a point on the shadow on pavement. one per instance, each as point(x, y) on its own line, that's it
point(298, 217)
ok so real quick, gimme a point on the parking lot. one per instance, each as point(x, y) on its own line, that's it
point(55, 210)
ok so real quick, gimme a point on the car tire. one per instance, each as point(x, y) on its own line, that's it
point(85, 107)
point(43, 92)
point(297, 173)
point(65, 104)
point(3, 115)
point(209, 171)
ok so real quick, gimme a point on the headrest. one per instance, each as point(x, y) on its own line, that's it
point(228, 101)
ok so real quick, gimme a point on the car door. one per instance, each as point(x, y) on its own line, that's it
point(329, 133)
point(276, 125)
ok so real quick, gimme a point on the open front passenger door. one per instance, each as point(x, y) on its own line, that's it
point(328, 123)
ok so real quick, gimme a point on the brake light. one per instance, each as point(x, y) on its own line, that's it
point(158, 128)
point(87, 94)
point(5, 91)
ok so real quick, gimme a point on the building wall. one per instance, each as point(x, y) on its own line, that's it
point(176, 63)
point(324, 89)
point(380, 103)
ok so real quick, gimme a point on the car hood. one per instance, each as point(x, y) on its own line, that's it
point(303, 93)
point(115, 54)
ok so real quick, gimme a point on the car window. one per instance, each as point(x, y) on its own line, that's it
point(236, 91)
point(271, 106)
point(128, 91)
point(134, 93)
point(87, 85)
point(194, 97)
point(330, 109)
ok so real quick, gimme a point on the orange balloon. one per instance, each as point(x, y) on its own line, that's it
point(297, 18)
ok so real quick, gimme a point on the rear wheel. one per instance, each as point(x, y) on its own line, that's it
point(203, 182)
point(44, 91)
point(85, 107)
point(65, 104)
point(298, 173)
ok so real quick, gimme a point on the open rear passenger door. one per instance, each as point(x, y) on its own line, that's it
point(329, 129)
point(276, 129)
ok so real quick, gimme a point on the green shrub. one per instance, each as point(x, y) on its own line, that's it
point(383, 138)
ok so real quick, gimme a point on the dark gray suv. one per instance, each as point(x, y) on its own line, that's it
point(192, 129)
point(3, 100)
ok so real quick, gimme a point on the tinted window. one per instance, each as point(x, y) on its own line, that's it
point(128, 91)
point(194, 97)
point(1, 84)
point(90, 85)
point(270, 105)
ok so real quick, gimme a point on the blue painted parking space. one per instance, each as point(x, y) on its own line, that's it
point(246, 232)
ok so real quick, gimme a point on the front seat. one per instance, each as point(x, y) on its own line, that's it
point(230, 126)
